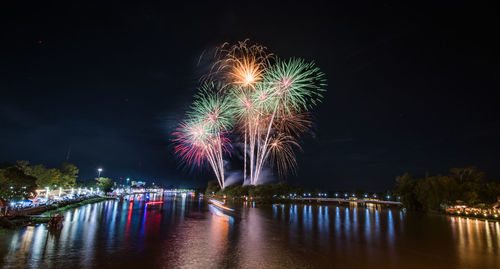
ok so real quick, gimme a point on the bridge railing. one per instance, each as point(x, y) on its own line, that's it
point(340, 200)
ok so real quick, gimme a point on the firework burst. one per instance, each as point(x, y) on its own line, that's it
point(282, 155)
point(267, 102)
point(240, 64)
point(196, 144)
point(204, 137)
point(294, 124)
point(288, 87)
point(212, 107)
point(295, 84)
point(190, 139)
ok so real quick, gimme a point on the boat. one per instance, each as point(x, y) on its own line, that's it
point(220, 205)
point(56, 222)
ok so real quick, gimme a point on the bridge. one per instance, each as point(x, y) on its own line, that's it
point(341, 200)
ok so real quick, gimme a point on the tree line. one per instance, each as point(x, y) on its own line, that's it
point(20, 180)
point(434, 192)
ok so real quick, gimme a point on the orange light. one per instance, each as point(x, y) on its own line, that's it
point(220, 205)
point(154, 203)
point(246, 71)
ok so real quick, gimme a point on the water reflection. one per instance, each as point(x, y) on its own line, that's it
point(481, 236)
point(185, 232)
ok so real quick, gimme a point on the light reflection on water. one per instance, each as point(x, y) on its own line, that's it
point(185, 232)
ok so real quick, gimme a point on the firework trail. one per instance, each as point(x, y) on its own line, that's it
point(288, 87)
point(241, 67)
point(204, 136)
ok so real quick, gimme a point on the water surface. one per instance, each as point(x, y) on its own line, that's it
point(185, 232)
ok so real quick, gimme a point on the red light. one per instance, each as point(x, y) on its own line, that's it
point(154, 203)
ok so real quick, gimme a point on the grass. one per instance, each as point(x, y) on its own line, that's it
point(75, 205)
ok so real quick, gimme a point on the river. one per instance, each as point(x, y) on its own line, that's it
point(186, 232)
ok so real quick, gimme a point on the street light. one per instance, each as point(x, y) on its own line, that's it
point(99, 170)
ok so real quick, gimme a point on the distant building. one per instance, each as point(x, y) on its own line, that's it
point(138, 184)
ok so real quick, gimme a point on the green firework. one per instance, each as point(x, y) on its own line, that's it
point(295, 84)
point(212, 107)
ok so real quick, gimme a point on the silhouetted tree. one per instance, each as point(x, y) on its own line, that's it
point(406, 187)
point(50, 177)
point(105, 184)
point(15, 185)
point(69, 174)
point(435, 192)
point(212, 187)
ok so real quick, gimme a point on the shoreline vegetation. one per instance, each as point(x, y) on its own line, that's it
point(282, 193)
point(23, 185)
point(22, 221)
point(464, 192)
point(75, 205)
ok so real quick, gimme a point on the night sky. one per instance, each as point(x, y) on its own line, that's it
point(412, 88)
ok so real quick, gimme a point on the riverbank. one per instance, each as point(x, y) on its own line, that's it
point(75, 205)
point(24, 220)
point(474, 216)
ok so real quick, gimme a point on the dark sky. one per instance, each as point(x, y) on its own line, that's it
point(412, 87)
